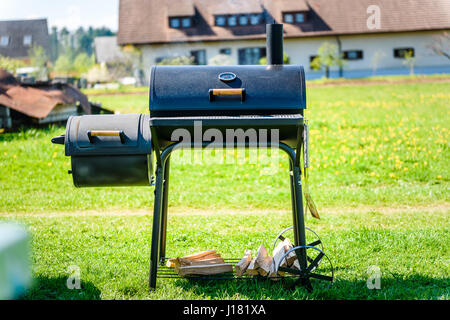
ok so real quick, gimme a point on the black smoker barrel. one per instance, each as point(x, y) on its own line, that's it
point(109, 150)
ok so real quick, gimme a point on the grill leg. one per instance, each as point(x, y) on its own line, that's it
point(298, 217)
point(165, 200)
point(294, 202)
point(154, 256)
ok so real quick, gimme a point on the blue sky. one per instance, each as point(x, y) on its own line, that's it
point(69, 13)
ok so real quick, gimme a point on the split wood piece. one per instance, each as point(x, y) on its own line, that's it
point(291, 256)
point(205, 269)
point(263, 260)
point(279, 259)
point(278, 254)
point(266, 267)
point(185, 262)
point(242, 265)
point(182, 262)
point(197, 256)
point(252, 269)
point(273, 275)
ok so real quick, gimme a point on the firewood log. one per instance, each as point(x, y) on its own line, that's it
point(186, 262)
point(292, 256)
point(205, 269)
point(252, 269)
point(263, 260)
point(204, 255)
point(242, 265)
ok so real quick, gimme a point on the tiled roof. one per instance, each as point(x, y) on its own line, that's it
point(17, 29)
point(146, 21)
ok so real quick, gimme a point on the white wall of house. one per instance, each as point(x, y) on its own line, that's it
point(301, 49)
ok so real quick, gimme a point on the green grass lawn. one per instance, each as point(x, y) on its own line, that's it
point(373, 148)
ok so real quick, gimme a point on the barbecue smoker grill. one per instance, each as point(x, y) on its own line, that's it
point(118, 150)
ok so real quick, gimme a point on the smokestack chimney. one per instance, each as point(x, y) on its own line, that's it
point(274, 34)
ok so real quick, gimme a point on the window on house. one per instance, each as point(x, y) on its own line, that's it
point(232, 21)
point(4, 41)
point(294, 17)
point(225, 51)
point(235, 20)
point(401, 52)
point(243, 20)
point(221, 21)
point(288, 18)
point(311, 59)
point(199, 57)
point(251, 55)
point(175, 23)
point(256, 19)
point(299, 17)
point(27, 40)
point(181, 22)
point(186, 22)
point(353, 55)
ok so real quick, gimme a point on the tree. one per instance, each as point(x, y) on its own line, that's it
point(54, 44)
point(286, 59)
point(83, 63)
point(63, 64)
point(441, 45)
point(80, 41)
point(11, 65)
point(39, 60)
point(221, 60)
point(129, 65)
point(176, 61)
point(327, 56)
point(376, 60)
point(410, 61)
point(98, 74)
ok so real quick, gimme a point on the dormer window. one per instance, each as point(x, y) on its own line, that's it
point(243, 20)
point(256, 19)
point(294, 17)
point(186, 22)
point(221, 21)
point(180, 22)
point(4, 41)
point(299, 17)
point(27, 40)
point(234, 20)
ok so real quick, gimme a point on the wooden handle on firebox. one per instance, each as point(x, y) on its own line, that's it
point(106, 133)
point(227, 92)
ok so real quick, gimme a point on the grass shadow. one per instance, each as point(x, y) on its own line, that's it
point(392, 287)
point(45, 288)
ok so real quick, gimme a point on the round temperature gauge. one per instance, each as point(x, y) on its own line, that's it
point(227, 76)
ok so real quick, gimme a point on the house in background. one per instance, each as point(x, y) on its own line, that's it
point(107, 50)
point(18, 36)
point(204, 29)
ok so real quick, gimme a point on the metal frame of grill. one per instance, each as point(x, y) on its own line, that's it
point(164, 150)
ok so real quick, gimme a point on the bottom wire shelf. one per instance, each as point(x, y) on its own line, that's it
point(165, 272)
